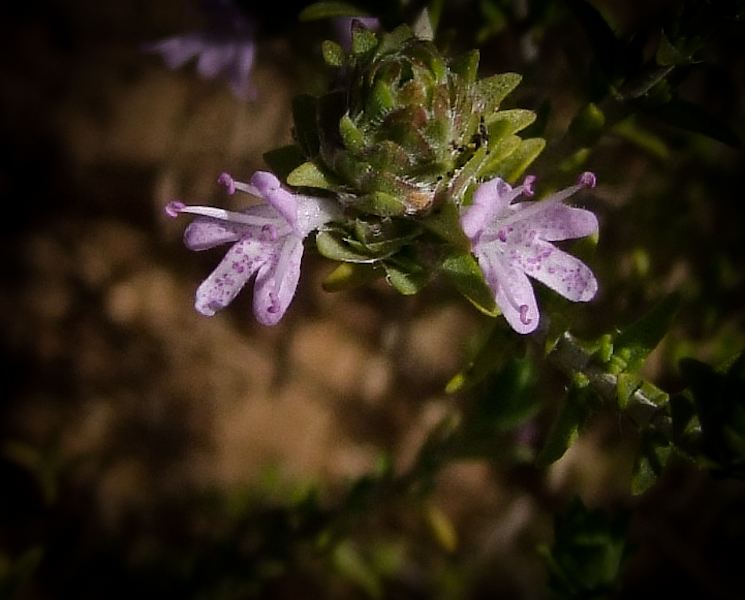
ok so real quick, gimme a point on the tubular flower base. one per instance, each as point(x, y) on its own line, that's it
point(513, 241)
point(267, 243)
point(227, 47)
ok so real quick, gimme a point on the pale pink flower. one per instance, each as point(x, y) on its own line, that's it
point(513, 241)
point(267, 243)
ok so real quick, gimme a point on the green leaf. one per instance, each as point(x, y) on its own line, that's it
point(498, 152)
point(466, 66)
point(445, 223)
point(363, 40)
point(690, 117)
point(588, 554)
point(719, 398)
point(632, 346)
point(492, 90)
point(653, 455)
point(565, 428)
point(304, 115)
point(515, 164)
point(464, 273)
point(507, 122)
point(351, 565)
point(488, 356)
point(407, 281)
point(333, 54)
point(667, 54)
point(309, 175)
point(328, 10)
point(331, 246)
point(350, 134)
point(350, 275)
point(381, 204)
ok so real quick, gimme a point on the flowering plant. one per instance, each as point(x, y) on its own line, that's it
point(533, 228)
point(404, 169)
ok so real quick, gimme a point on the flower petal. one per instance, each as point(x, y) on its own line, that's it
point(555, 268)
point(558, 221)
point(489, 199)
point(204, 233)
point(513, 292)
point(241, 261)
point(276, 283)
point(271, 190)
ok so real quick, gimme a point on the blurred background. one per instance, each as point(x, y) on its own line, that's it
point(147, 450)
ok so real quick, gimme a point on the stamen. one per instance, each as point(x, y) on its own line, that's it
point(524, 308)
point(174, 207)
point(227, 180)
point(587, 179)
point(527, 186)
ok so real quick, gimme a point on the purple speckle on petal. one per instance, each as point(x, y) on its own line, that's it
point(226, 180)
point(524, 308)
point(173, 208)
point(587, 179)
point(269, 232)
point(274, 306)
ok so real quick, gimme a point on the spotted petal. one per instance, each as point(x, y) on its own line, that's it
point(556, 269)
point(275, 286)
point(513, 292)
point(244, 258)
point(204, 233)
point(558, 221)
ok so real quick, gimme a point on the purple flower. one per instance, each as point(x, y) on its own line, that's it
point(512, 241)
point(226, 47)
point(267, 243)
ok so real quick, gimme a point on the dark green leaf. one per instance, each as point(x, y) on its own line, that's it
point(407, 281)
point(332, 246)
point(688, 116)
point(566, 427)
point(304, 115)
point(653, 455)
point(466, 66)
point(667, 54)
point(602, 39)
point(589, 552)
point(633, 344)
point(464, 273)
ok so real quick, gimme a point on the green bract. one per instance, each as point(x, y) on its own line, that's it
point(401, 141)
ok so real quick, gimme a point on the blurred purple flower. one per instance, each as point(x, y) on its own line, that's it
point(512, 241)
point(227, 46)
point(267, 243)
